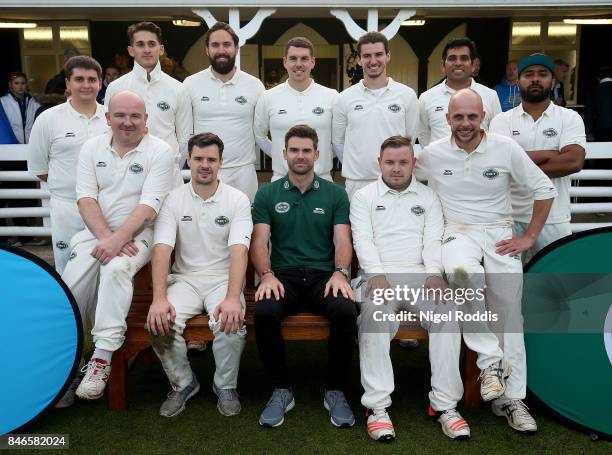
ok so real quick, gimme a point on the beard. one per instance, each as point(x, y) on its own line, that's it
point(223, 67)
point(300, 171)
point(535, 97)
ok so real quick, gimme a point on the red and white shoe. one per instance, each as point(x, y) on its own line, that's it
point(93, 384)
point(380, 427)
point(453, 425)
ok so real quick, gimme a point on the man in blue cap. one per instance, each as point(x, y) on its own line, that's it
point(553, 137)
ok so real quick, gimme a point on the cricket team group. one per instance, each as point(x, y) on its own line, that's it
point(497, 187)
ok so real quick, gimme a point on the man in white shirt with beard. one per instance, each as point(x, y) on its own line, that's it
point(223, 99)
point(166, 99)
point(552, 136)
point(55, 144)
point(457, 63)
point(299, 100)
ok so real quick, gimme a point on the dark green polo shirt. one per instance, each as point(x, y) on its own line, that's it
point(301, 225)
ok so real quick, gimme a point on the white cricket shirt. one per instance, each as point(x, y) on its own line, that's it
point(227, 110)
point(55, 142)
point(201, 231)
point(363, 120)
point(556, 128)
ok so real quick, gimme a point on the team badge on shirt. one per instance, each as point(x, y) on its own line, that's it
point(282, 111)
point(447, 172)
point(205, 98)
point(316, 185)
point(358, 107)
point(163, 106)
point(395, 108)
point(550, 132)
point(240, 100)
point(69, 134)
point(516, 133)
point(318, 110)
point(319, 211)
point(417, 210)
point(100, 164)
point(380, 207)
point(61, 245)
point(221, 220)
point(448, 239)
point(490, 173)
point(136, 168)
point(282, 207)
point(186, 218)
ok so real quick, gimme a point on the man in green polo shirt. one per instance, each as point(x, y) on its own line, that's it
point(307, 220)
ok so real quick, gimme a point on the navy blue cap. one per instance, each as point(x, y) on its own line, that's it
point(536, 59)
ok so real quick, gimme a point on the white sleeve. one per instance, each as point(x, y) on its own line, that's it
point(412, 114)
point(572, 131)
point(363, 235)
point(432, 238)
point(494, 107)
point(261, 125)
point(499, 125)
point(241, 227)
point(183, 122)
point(339, 121)
point(39, 147)
point(339, 151)
point(420, 169)
point(87, 181)
point(424, 130)
point(159, 180)
point(166, 226)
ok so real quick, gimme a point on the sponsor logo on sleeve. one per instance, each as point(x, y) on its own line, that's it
point(282, 111)
point(136, 168)
point(318, 110)
point(516, 133)
point(100, 164)
point(448, 239)
point(395, 108)
point(417, 210)
point(221, 220)
point(282, 207)
point(447, 172)
point(205, 98)
point(550, 132)
point(240, 100)
point(70, 134)
point(380, 207)
point(186, 218)
point(145, 243)
point(163, 106)
point(491, 173)
point(61, 245)
point(439, 109)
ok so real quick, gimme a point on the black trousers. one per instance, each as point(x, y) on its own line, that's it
point(304, 290)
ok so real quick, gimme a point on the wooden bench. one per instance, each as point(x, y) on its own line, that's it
point(302, 326)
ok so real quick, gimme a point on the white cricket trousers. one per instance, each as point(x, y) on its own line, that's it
point(243, 178)
point(549, 233)
point(471, 249)
point(374, 344)
point(191, 294)
point(352, 186)
point(66, 222)
point(113, 283)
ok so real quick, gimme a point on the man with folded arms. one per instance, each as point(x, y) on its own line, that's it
point(208, 225)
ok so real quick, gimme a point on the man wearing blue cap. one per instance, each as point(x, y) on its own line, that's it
point(554, 139)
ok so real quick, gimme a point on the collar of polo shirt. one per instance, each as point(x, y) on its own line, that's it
point(384, 189)
point(303, 92)
point(447, 89)
point(390, 84)
point(547, 112)
point(214, 198)
point(73, 111)
point(141, 147)
point(233, 80)
point(482, 147)
point(141, 73)
point(288, 186)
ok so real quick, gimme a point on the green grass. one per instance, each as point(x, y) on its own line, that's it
point(200, 429)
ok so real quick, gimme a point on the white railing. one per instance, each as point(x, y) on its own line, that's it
point(595, 151)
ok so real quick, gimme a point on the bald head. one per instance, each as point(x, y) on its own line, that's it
point(465, 115)
point(126, 96)
point(127, 118)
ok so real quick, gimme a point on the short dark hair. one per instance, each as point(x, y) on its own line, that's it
point(373, 38)
point(82, 61)
point(396, 142)
point(220, 26)
point(144, 27)
point(304, 132)
point(300, 41)
point(461, 42)
point(16, 74)
point(204, 140)
point(561, 62)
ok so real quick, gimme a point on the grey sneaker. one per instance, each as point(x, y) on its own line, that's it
point(228, 403)
point(340, 413)
point(175, 403)
point(278, 405)
point(68, 399)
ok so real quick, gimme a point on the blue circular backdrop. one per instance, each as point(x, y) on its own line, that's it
point(40, 338)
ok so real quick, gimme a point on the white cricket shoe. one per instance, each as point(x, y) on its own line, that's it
point(493, 380)
point(93, 384)
point(517, 414)
point(379, 425)
point(453, 425)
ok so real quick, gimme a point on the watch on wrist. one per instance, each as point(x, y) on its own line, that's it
point(344, 271)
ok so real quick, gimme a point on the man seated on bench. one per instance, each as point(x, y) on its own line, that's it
point(123, 177)
point(306, 218)
point(397, 228)
point(209, 226)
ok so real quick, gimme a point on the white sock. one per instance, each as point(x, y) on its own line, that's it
point(103, 354)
